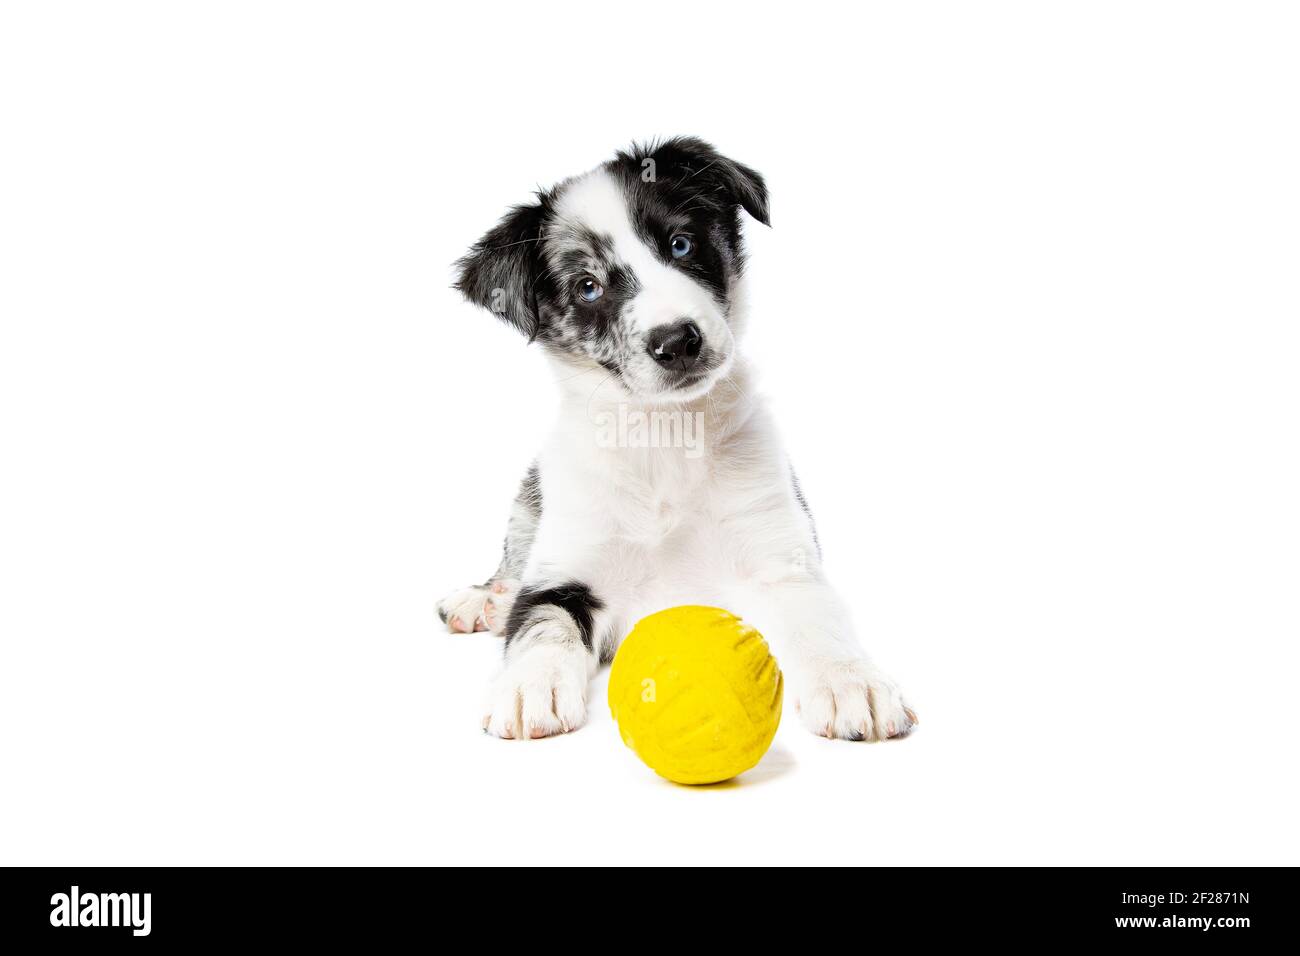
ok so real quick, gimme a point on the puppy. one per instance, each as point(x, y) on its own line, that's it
point(663, 482)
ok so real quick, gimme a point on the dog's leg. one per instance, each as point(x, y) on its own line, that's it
point(553, 640)
point(486, 607)
point(839, 691)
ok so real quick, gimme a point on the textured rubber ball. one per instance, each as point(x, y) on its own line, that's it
point(696, 694)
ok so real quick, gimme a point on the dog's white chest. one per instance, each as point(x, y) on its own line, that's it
point(660, 509)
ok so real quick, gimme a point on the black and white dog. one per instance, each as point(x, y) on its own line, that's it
point(664, 482)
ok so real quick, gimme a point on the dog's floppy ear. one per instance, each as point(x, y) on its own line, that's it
point(501, 271)
point(691, 160)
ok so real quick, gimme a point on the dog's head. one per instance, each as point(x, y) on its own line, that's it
point(631, 268)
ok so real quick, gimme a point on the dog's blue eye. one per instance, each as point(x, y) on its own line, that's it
point(680, 246)
point(590, 289)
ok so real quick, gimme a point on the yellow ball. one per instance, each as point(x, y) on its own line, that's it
point(696, 693)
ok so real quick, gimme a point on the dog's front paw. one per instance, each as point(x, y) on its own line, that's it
point(541, 692)
point(479, 608)
point(854, 701)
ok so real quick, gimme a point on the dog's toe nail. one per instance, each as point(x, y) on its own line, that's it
point(536, 730)
point(457, 625)
point(891, 730)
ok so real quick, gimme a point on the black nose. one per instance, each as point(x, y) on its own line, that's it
point(676, 346)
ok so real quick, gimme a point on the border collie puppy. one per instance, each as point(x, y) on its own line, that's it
point(664, 481)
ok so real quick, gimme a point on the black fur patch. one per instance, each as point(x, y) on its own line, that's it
point(589, 253)
point(530, 490)
point(697, 192)
point(803, 503)
point(503, 272)
point(577, 600)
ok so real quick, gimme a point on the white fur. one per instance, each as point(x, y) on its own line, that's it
point(649, 528)
point(646, 528)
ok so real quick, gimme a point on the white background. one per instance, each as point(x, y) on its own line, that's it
point(1028, 317)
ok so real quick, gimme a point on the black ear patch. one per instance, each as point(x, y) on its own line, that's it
point(502, 270)
point(692, 162)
